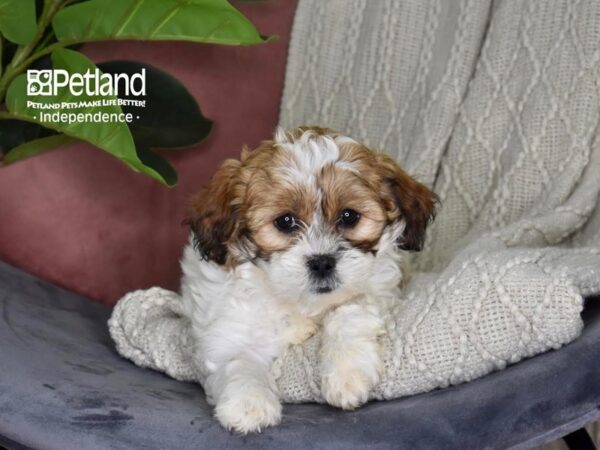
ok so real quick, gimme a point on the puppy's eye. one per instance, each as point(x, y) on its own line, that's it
point(287, 223)
point(349, 218)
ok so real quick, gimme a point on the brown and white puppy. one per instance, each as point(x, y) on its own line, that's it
point(306, 231)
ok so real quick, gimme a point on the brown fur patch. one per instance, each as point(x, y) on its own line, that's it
point(344, 189)
point(401, 196)
point(270, 194)
point(413, 202)
point(214, 217)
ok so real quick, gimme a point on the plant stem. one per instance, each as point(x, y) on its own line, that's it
point(1, 48)
point(43, 52)
point(43, 44)
point(21, 58)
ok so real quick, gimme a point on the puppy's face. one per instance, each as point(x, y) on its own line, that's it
point(314, 210)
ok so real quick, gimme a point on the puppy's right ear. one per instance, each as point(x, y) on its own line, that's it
point(214, 214)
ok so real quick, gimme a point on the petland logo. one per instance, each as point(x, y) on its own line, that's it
point(96, 83)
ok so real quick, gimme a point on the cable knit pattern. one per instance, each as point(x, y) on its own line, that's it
point(496, 106)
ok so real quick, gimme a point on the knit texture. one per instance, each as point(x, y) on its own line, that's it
point(495, 105)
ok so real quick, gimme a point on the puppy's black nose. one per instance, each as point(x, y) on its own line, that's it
point(321, 266)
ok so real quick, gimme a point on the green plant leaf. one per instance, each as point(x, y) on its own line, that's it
point(17, 20)
point(112, 137)
point(36, 147)
point(211, 21)
point(171, 117)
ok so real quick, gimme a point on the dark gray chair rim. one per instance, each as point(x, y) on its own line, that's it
point(63, 386)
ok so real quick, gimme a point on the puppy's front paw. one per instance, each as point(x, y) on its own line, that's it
point(348, 374)
point(249, 410)
point(299, 329)
point(347, 389)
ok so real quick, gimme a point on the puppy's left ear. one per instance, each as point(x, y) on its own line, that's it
point(409, 201)
point(214, 216)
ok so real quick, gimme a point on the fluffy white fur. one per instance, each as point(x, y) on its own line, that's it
point(243, 318)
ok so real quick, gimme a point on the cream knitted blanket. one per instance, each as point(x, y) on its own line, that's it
point(494, 105)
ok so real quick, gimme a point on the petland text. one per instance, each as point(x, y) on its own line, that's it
point(91, 83)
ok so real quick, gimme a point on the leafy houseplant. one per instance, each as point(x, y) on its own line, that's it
point(170, 119)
